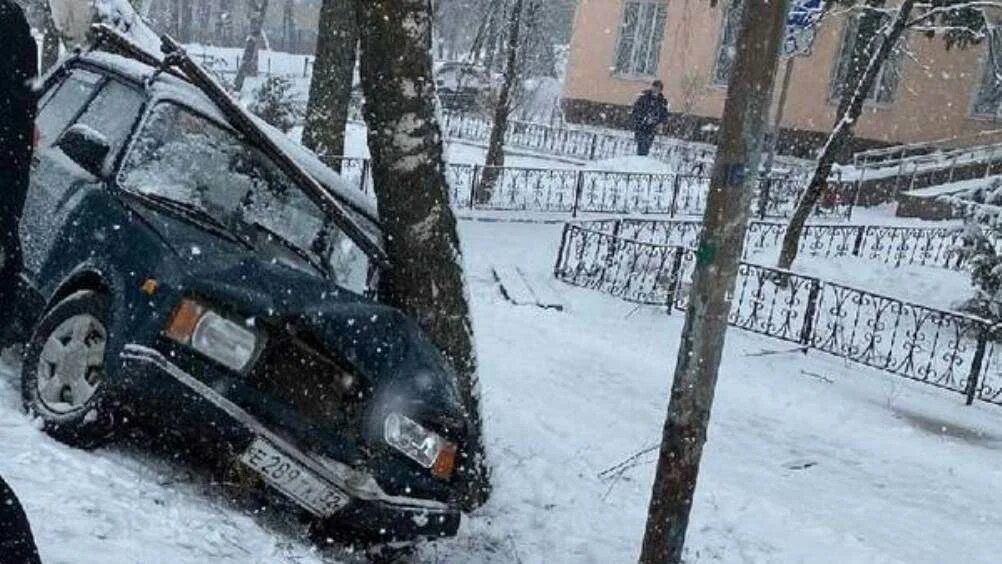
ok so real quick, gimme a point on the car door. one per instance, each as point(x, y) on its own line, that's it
point(107, 106)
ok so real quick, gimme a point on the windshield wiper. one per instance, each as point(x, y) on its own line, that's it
point(312, 261)
point(195, 213)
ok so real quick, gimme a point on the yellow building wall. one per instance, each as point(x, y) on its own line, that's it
point(932, 99)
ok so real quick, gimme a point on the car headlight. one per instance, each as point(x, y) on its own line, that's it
point(425, 447)
point(211, 334)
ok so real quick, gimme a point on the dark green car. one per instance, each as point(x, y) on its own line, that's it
point(173, 270)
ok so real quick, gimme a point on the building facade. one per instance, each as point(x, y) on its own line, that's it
point(925, 92)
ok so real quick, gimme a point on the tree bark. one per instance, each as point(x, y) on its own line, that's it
point(841, 136)
point(51, 40)
point(502, 111)
point(721, 244)
point(408, 169)
point(330, 88)
point(248, 65)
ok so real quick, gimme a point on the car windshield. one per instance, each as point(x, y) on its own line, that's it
point(181, 155)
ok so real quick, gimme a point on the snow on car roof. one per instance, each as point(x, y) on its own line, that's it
point(171, 87)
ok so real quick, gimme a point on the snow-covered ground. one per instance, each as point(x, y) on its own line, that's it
point(810, 459)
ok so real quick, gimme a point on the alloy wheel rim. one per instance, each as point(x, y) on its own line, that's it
point(71, 365)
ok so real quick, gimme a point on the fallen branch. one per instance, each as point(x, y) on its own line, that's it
point(824, 379)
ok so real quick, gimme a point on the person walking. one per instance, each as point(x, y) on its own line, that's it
point(18, 67)
point(649, 111)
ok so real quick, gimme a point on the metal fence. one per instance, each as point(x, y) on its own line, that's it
point(574, 191)
point(893, 245)
point(948, 350)
point(581, 144)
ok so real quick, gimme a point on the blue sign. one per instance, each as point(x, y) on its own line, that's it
point(801, 25)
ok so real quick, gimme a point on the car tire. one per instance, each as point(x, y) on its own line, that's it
point(63, 376)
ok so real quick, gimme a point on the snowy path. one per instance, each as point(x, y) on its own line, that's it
point(122, 505)
point(809, 459)
point(894, 472)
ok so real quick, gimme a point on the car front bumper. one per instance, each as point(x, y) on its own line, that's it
point(370, 511)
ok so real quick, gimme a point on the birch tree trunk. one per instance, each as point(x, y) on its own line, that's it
point(841, 135)
point(721, 244)
point(408, 169)
point(50, 41)
point(248, 65)
point(502, 111)
point(330, 88)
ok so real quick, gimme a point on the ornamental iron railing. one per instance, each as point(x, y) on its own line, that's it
point(893, 245)
point(948, 350)
point(575, 191)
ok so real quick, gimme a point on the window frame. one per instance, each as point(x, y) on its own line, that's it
point(725, 15)
point(983, 67)
point(58, 80)
point(631, 74)
point(871, 101)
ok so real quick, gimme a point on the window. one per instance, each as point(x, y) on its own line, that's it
point(640, 35)
point(851, 53)
point(988, 99)
point(186, 158)
point(63, 104)
point(728, 43)
point(113, 113)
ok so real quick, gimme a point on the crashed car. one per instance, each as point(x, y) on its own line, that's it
point(173, 269)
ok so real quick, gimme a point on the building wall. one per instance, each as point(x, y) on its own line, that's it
point(932, 100)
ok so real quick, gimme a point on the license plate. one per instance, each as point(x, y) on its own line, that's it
point(293, 479)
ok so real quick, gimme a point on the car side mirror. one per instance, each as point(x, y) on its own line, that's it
point(85, 147)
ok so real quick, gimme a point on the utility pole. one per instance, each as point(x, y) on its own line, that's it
point(721, 243)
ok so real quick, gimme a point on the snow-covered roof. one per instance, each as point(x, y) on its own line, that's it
point(171, 87)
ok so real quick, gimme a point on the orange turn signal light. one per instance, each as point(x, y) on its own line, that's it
point(445, 462)
point(184, 320)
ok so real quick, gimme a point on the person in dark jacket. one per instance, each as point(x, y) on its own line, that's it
point(18, 67)
point(17, 545)
point(649, 112)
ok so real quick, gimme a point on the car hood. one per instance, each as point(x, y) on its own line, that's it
point(382, 344)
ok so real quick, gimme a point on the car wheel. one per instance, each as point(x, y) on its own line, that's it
point(63, 378)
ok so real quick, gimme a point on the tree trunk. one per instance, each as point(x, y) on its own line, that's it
point(330, 88)
point(50, 42)
point(841, 136)
point(185, 19)
point(495, 148)
point(408, 170)
point(721, 244)
point(248, 65)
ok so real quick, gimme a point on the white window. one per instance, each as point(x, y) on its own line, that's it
point(728, 43)
point(640, 35)
point(988, 98)
point(887, 80)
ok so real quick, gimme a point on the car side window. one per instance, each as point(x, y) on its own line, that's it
point(113, 113)
point(63, 103)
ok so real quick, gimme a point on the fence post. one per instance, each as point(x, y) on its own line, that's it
point(594, 146)
point(857, 245)
point(976, 364)
point(558, 267)
point(675, 278)
point(807, 332)
point(578, 189)
point(474, 178)
point(764, 193)
point(364, 180)
point(676, 186)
